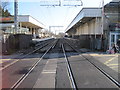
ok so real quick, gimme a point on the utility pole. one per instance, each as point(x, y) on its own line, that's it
point(16, 15)
point(102, 16)
point(102, 23)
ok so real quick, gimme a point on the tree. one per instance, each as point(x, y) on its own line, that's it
point(4, 9)
point(6, 13)
point(4, 5)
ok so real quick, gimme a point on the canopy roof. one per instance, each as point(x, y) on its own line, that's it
point(83, 16)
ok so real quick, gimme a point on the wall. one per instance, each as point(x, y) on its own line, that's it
point(16, 42)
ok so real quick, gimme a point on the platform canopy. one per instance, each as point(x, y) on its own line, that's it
point(25, 20)
point(86, 14)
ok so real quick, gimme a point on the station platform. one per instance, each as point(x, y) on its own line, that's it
point(43, 39)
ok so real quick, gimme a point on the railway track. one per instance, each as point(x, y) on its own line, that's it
point(31, 69)
point(116, 82)
point(77, 78)
point(37, 48)
point(71, 77)
point(6, 70)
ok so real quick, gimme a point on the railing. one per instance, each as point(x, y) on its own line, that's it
point(20, 31)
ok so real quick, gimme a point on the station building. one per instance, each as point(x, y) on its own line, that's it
point(96, 28)
point(112, 23)
point(27, 25)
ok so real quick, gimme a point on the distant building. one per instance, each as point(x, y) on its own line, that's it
point(97, 28)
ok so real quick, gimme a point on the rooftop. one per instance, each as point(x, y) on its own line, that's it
point(26, 20)
point(85, 15)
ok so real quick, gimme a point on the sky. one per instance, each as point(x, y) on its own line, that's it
point(53, 16)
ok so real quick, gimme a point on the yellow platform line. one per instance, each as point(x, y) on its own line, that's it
point(112, 65)
point(9, 64)
point(101, 55)
point(110, 60)
point(16, 60)
point(2, 60)
point(5, 59)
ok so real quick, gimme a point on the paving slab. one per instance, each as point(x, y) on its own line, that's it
point(47, 77)
point(62, 76)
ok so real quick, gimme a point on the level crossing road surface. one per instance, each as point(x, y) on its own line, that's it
point(51, 70)
point(110, 60)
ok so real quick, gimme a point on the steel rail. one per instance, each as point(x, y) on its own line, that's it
point(37, 49)
point(73, 84)
point(101, 70)
point(55, 44)
point(30, 70)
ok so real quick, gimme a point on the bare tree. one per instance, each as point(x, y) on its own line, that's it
point(4, 5)
point(4, 8)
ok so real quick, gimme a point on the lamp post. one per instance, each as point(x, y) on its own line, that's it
point(102, 24)
point(107, 19)
point(16, 15)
